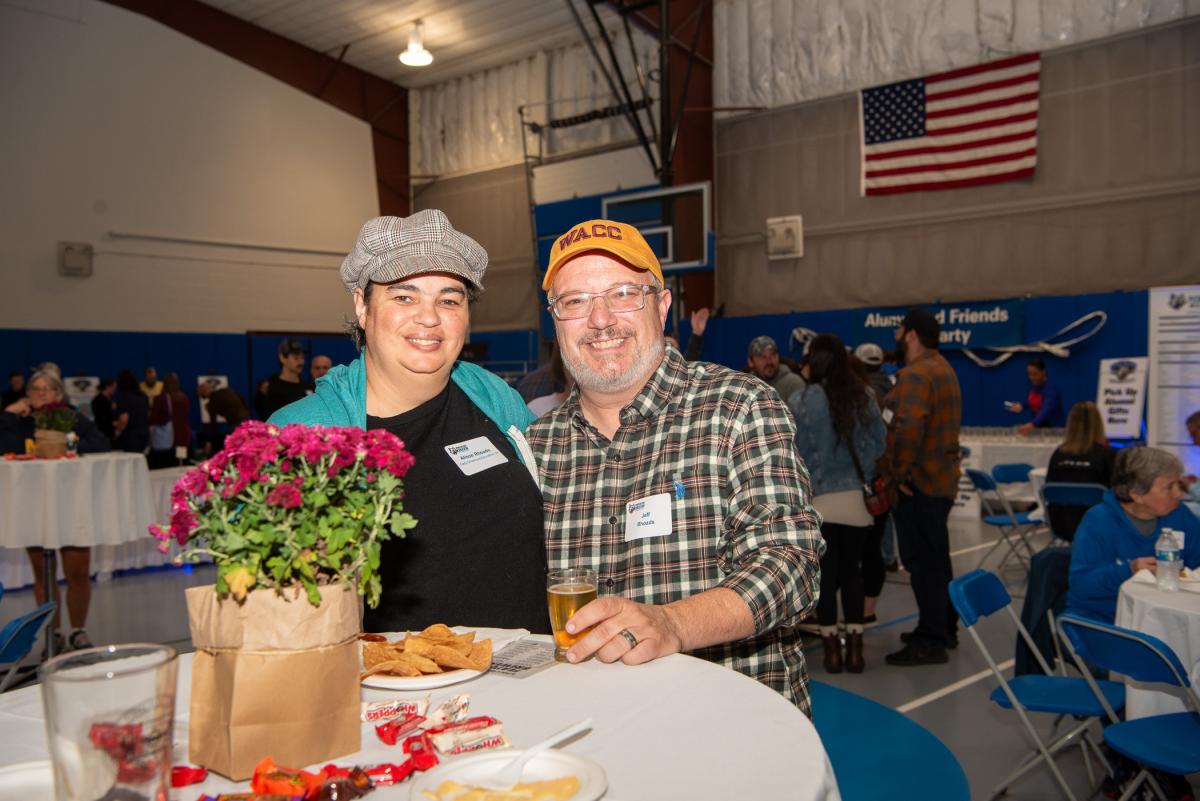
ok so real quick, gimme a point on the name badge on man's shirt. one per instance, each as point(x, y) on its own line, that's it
point(475, 455)
point(648, 517)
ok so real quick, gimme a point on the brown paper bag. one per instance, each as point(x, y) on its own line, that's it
point(274, 676)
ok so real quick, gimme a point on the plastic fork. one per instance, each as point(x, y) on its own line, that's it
point(509, 775)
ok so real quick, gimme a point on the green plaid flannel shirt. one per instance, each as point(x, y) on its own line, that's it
point(722, 445)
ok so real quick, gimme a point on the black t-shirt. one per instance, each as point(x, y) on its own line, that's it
point(1093, 467)
point(477, 556)
point(280, 393)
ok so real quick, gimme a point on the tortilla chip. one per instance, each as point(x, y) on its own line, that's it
point(416, 644)
point(373, 653)
point(438, 631)
point(423, 664)
point(394, 668)
point(481, 655)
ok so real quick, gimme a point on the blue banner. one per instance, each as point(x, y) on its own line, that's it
point(995, 323)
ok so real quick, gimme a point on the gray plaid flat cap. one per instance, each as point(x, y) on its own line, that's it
point(391, 248)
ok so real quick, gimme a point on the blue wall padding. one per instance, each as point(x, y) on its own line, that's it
point(984, 389)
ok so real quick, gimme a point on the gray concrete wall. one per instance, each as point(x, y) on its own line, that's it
point(1115, 203)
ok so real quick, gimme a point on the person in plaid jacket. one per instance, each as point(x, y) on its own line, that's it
point(678, 482)
point(921, 464)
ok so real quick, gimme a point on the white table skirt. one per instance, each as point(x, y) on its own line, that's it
point(1174, 618)
point(105, 501)
point(678, 727)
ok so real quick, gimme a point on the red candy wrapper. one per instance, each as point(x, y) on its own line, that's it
point(392, 730)
point(382, 710)
point(472, 734)
point(271, 779)
point(420, 751)
point(183, 775)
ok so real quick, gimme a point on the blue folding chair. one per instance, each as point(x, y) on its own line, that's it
point(979, 594)
point(1013, 526)
point(1065, 504)
point(17, 639)
point(1170, 743)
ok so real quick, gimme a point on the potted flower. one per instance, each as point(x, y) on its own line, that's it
point(51, 424)
point(294, 519)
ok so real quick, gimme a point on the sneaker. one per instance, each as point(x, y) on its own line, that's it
point(79, 640)
point(913, 655)
point(906, 637)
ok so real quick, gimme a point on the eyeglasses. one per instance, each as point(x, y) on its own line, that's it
point(620, 298)
point(39, 389)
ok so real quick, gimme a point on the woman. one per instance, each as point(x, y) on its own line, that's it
point(172, 406)
point(1085, 457)
point(477, 556)
point(133, 415)
point(1116, 537)
point(840, 433)
point(16, 425)
point(1042, 403)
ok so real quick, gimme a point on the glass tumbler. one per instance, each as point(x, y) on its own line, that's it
point(110, 715)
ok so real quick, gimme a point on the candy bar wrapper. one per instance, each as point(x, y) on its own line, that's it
point(462, 742)
point(379, 711)
point(246, 652)
point(451, 711)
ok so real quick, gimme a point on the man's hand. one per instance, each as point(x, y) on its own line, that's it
point(1144, 563)
point(20, 407)
point(1024, 428)
point(654, 627)
point(700, 321)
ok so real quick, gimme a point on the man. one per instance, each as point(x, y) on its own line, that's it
point(103, 411)
point(224, 402)
point(15, 391)
point(678, 482)
point(921, 464)
point(320, 366)
point(286, 386)
point(151, 387)
point(1042, 402)
point(763, 361)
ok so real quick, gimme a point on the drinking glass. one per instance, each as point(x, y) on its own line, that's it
point(110, 715)
point(567, 591)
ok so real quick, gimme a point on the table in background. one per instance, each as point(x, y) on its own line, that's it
point(1174, 618)
point(678, 727)
point(990, 447)
point(102, 500)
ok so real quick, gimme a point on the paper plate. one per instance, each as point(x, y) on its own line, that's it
point(543, 767)
point(499, 638)
point(29, 781)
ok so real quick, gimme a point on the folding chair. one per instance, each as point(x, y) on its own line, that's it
point(1013, 526)
point(1170, 743)
point(17, 639)
point(979, 594)
point(1065, 503)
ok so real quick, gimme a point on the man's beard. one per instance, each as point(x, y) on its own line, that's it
point(901, 356)
point(587, 378)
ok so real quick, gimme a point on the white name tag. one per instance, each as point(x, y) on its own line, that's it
point(475, 455)
point(888, 414)
point(648, 517)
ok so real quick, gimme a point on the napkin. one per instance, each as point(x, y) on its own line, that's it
point(1144, 576)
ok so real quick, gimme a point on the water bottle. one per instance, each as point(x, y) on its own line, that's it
point(1167, 554)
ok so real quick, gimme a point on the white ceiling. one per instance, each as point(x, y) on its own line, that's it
point(465, 36)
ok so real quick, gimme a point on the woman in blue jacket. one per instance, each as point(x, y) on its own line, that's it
point(837, 423)
point(1116, 537)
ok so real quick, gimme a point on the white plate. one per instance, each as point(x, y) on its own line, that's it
point(543, 767)
point(499, 638)
point(29, 781)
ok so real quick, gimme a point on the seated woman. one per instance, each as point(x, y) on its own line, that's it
point(16, 425)
point(1085, 457)
point(1116, 537)
point(477, 555)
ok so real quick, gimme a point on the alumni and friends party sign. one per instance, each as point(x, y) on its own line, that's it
point(991, 324)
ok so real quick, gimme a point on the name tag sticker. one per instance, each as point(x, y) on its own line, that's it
point(648, 517)
point(888, 414)
point(475, 455)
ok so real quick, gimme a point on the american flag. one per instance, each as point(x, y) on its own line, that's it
point(970, 126)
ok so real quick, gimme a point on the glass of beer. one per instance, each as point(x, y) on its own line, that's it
point(567, 591)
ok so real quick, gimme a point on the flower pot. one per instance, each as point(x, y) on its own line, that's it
point(247, 653)
point(49, 444)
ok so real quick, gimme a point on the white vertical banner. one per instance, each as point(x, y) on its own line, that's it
point(1121, 396)
point(80, 391)
point(1174, 370)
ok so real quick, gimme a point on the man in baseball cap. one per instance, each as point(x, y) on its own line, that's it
point(763, 361)
point(678, 482)
point(413, 280)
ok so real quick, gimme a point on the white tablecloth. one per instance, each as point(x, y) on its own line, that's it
point(678, 727)
point(1174, 618)
point(988, 451)
point(103, 500)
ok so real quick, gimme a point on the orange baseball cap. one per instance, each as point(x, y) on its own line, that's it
point(620, 239)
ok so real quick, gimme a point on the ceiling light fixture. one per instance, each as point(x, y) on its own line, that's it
point(416, 55)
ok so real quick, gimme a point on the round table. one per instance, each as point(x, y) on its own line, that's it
point(100, 500)
point(1174, 618)
point(678, 727)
